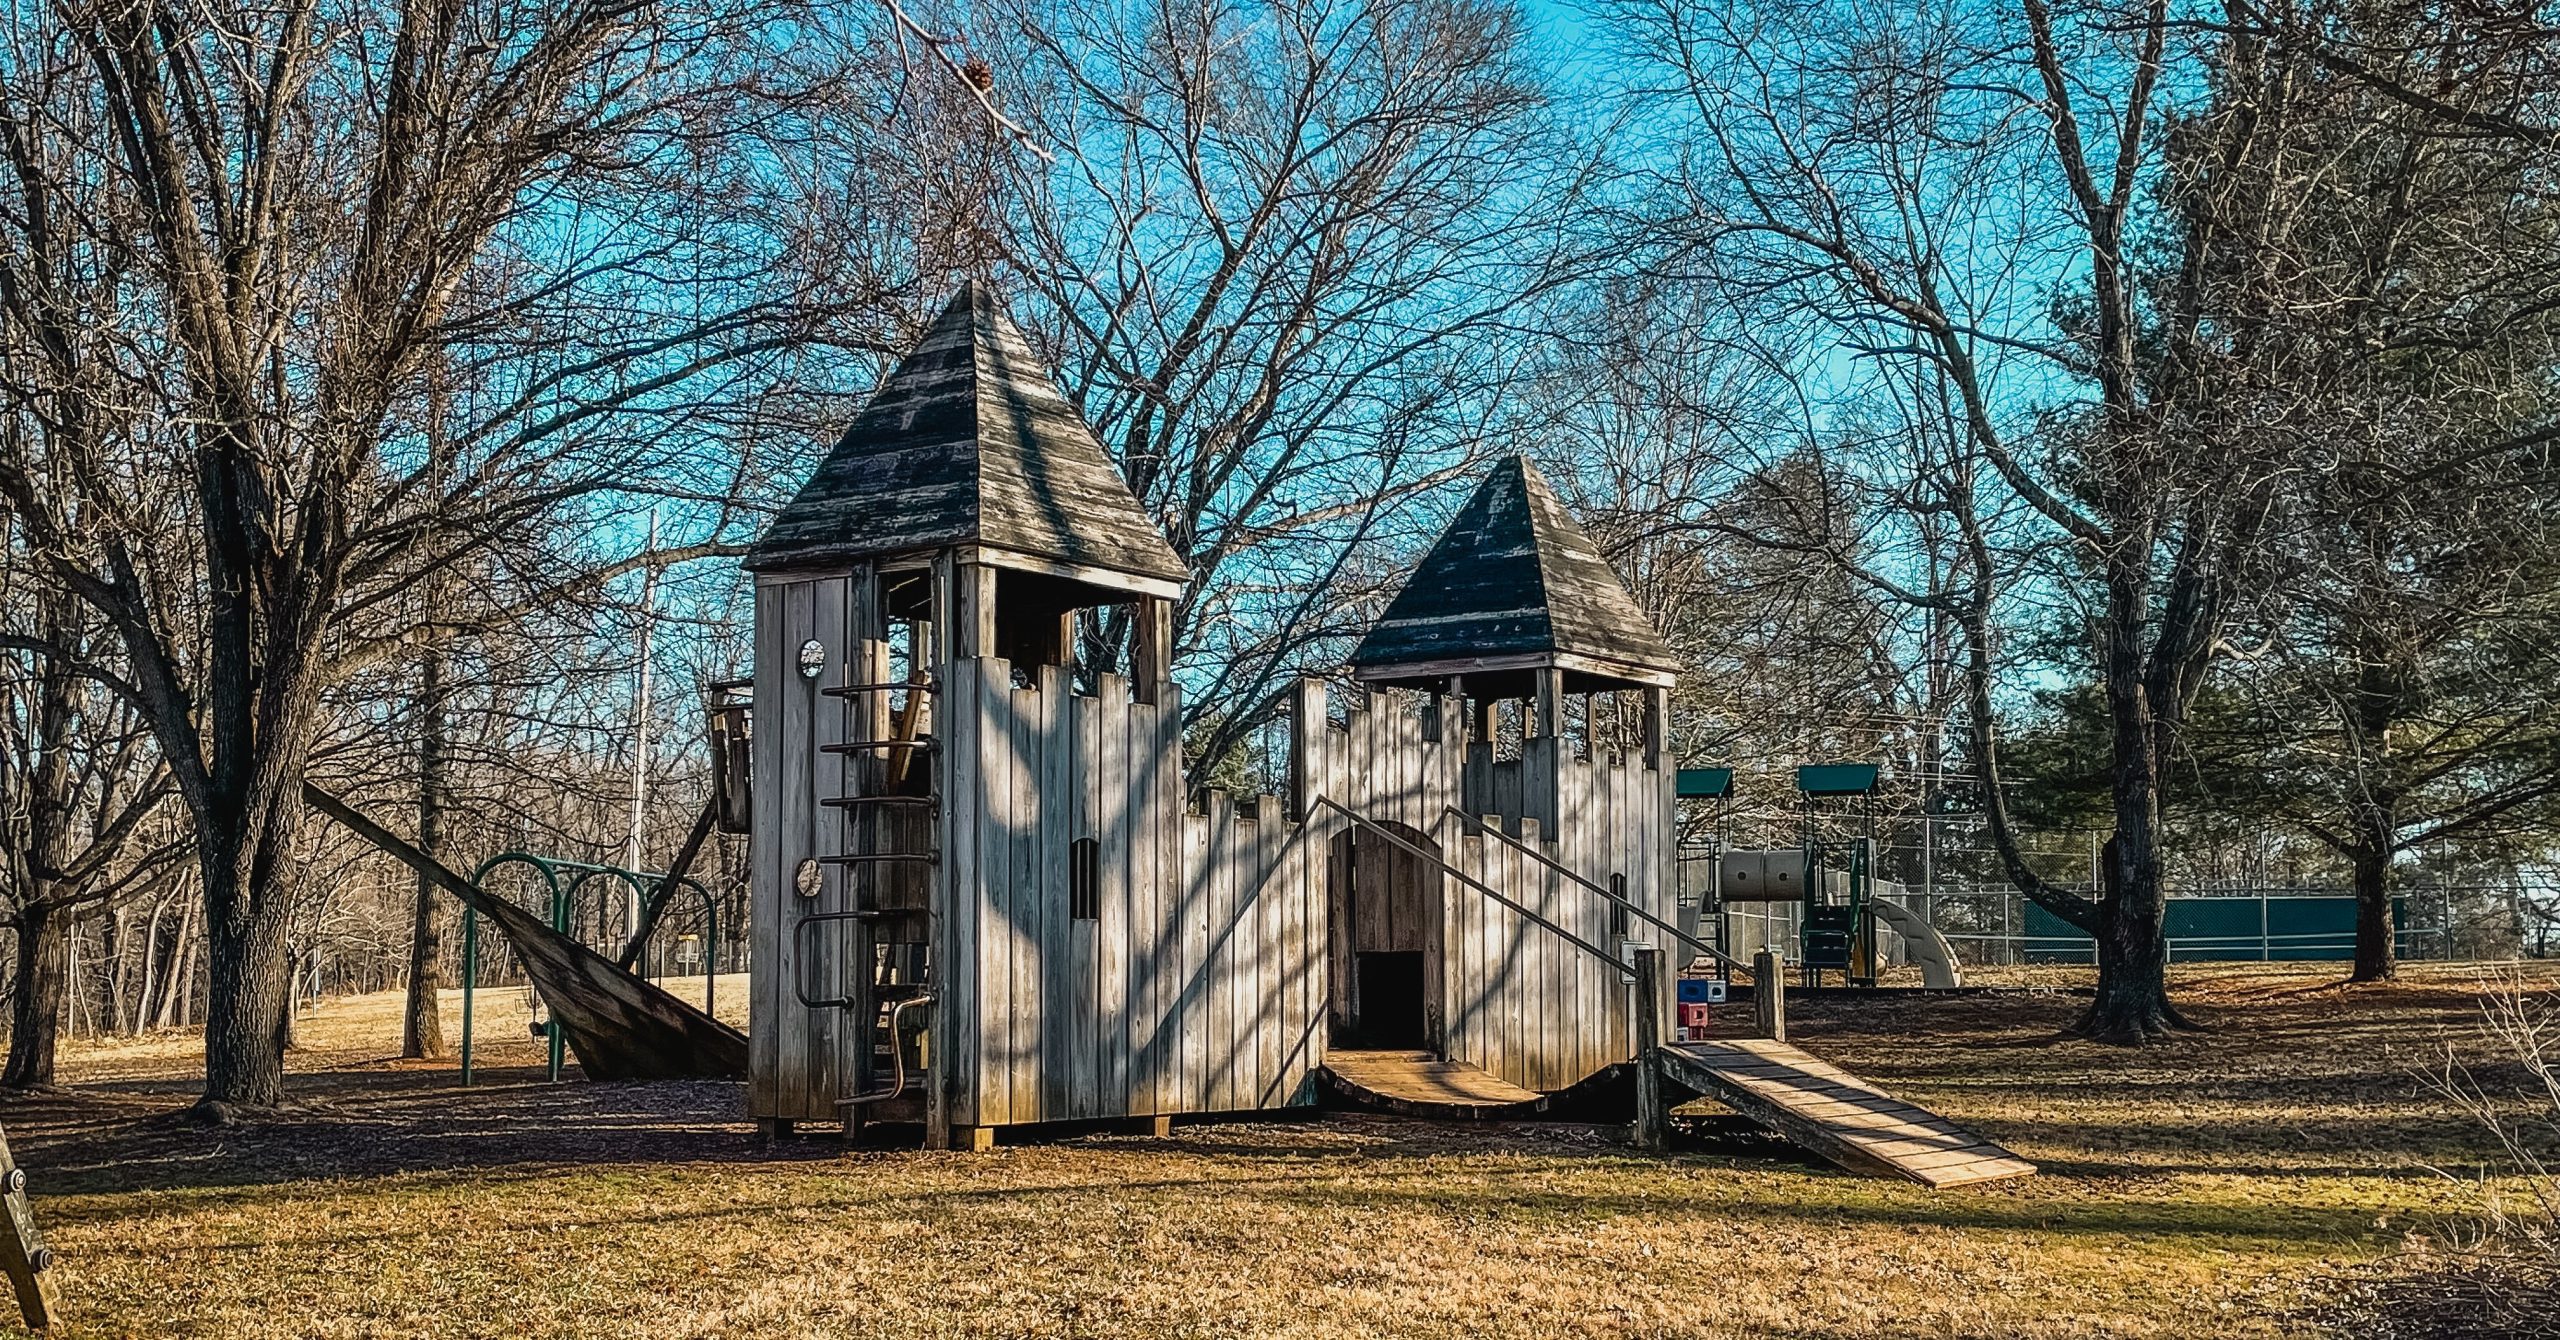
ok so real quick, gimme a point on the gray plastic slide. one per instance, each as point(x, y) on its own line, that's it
point(1921, 944)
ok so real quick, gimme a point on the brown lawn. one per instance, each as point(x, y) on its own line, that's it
point(2210, 1186)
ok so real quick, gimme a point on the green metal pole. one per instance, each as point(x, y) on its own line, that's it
point(560, 923)
point(470, 970)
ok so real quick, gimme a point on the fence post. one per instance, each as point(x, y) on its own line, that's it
point(1652, 1115)
point(1769, 995)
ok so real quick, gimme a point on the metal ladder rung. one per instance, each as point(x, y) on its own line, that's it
point(857, 690)
point(864, 746)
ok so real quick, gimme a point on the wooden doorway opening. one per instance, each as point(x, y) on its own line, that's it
point(1387, 902)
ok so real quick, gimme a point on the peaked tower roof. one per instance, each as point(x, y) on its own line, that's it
point(1514, 584)
point(969, 441)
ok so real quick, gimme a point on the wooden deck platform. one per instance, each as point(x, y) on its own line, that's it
point(1835, 1114)
point(1419, 1084)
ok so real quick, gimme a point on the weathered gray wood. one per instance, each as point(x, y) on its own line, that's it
point(1769, 996)
point(1513, 578)
point(1019, 1071)
point(1653, 1114)
point(968, 441)
point(958, 1017)
point(999, 934)
point(23, 1255)
point(1835, 1114)
point(1151, 656)
point(766, 878)
point(1196, 985)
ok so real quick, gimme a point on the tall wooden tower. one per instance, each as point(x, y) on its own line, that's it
point(968, 513)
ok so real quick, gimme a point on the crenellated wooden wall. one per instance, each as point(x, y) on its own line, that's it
point(1205, 980)
point(1197, 987)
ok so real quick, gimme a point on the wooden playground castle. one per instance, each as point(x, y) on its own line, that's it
point(986, 895)
point(983, 895)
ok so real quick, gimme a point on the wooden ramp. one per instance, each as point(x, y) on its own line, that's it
point(1835, 1114)
point(1419, 1084)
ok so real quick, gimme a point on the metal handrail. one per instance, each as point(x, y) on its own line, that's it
point(897, 1056)
point(1478, 885)
point(800, 957)
point(1477, 824)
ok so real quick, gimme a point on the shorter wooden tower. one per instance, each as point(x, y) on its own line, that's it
point(1513, 610)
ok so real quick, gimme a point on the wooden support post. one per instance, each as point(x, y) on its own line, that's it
point(1151, 657)
point(1653, 1115)
point(975, 587)
point(1657, 725)
point(1160, 1127)
point(973, 1139)
point(934, 656)
point(1546, 718)
point(22, 1254)
point(1306, 733)
point(1769, 995)
point(773, 1130)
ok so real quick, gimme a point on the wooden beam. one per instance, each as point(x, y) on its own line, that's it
point(1769, 996)
point(975, 626)
point(1546, 720)
point(1653, 1113)
point(1151, 665)
point(1467, 665)
point(22, 1253)
point(1111, 579)
point(656, 905)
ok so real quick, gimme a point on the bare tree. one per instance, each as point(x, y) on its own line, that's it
point(82, 827)
point(1954, 198)
point(2393, 310)
point(264, 226)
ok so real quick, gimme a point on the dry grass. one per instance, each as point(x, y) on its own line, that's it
point(2211, 1184)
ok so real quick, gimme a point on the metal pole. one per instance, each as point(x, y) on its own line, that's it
point(470, 970)
point(560, 923)
point(640, 730)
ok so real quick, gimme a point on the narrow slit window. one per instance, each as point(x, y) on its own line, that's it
point(1619, 920)
point(1084, 879)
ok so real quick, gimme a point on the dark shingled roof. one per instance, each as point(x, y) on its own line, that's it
point(969, 441)
point(1515, 579)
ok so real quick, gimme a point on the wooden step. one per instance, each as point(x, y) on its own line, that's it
point(1835, 1114)
point(1420, 1084)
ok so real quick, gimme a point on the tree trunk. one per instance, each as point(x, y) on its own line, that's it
point(35, 1011)
point(178, 993)
point(2377, 929)
point(422, 1023)
point(248, 898)
point(2132, 1004)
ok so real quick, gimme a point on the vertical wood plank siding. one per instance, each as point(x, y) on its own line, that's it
point(1205, 980)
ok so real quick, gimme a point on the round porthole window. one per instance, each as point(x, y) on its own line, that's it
point(813, 658)
point(805, 879)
